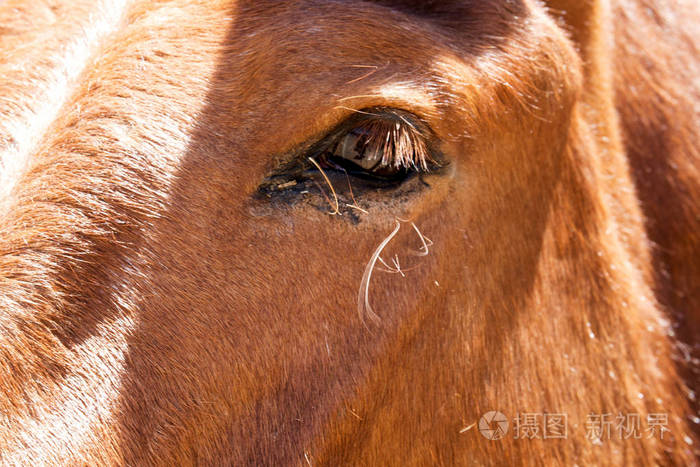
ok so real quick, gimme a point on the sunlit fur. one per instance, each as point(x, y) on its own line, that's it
point(154, 309)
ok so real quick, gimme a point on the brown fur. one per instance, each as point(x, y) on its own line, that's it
point(154, 310)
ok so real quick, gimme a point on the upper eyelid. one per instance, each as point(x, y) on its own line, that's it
point(364, 116)
point(318, 142)
point(406, 95)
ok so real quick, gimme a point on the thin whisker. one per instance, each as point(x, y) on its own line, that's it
point(366, 75)
point(363, 305)
point(423, 239)
point(352, 195)
point(359, 96)
point(335, 196)
point(355, 110)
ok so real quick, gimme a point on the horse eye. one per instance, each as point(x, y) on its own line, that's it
point(379, 144)
point(386, 145)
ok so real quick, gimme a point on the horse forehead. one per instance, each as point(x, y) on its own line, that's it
point(260, 55)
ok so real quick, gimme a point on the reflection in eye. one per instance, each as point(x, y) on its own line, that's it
point(353, 147)
point(385, 145)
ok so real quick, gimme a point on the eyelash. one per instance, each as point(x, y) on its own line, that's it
point(381, 142)
point(388, 143)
